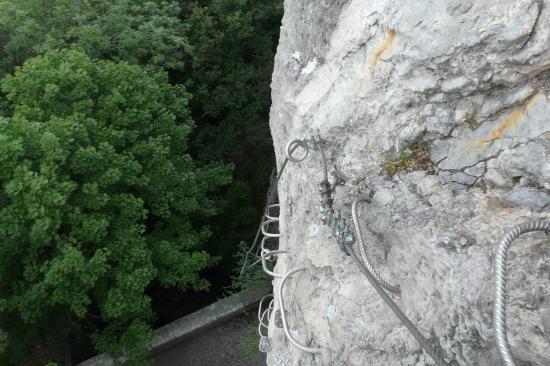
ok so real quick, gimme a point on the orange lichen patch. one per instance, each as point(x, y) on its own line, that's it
point(382, 47)
point(509, 122)
point(495, 207)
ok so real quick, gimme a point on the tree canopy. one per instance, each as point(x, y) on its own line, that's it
point(134, 158)
point(138, 32)
point(99, 198)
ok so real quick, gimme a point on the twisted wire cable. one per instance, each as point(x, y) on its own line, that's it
point(499, 314)
point(283, 315)
point(436, 354)
point(318, 143)
point(359, 237)
point(253, 263)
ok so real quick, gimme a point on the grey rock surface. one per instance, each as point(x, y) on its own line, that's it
point(471, 81)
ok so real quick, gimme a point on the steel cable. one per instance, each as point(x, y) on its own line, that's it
point(435, 354)
point(359, 237)
point(499, 314)
point(345, 239)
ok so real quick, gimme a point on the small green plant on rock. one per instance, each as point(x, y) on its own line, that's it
point(472, 123)
point(416, 157)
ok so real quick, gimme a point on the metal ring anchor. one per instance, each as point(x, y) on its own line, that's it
point(499, 314)
point(292, 145)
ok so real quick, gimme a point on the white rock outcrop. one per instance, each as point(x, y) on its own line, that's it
point(470, 81)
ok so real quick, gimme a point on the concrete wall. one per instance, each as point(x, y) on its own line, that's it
point(221, 345)
point(209, 336)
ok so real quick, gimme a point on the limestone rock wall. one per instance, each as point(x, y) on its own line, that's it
point(469, 81)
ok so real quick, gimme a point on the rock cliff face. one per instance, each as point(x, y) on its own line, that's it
point(441, 110)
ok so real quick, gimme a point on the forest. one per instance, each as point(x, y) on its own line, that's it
point(135, 156)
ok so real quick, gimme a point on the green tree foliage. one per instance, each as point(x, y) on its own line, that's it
point(140, 32)
point(228, 73)
point(222, 51)
point(99, 200)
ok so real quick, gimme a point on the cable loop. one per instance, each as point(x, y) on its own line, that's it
point(345, 238)
point(499, 312)
point(283, 315)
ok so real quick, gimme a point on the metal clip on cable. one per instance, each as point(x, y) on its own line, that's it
point(499, 314)
point(345, 238)
point(340, 228)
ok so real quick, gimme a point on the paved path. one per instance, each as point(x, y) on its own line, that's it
point(219, 346)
